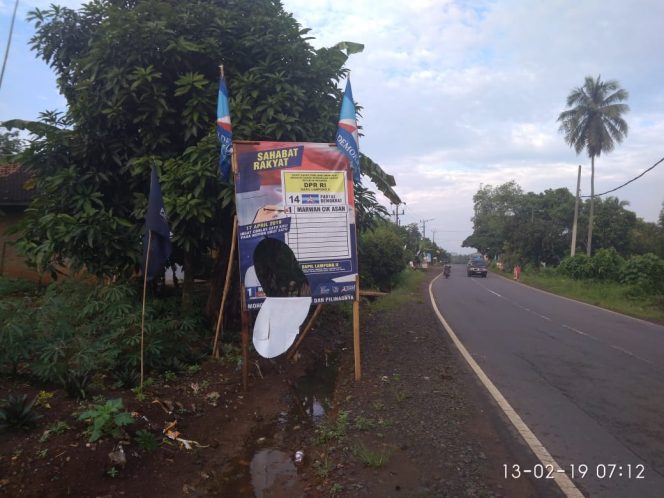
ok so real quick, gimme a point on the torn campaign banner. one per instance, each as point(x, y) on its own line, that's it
point(278, 323)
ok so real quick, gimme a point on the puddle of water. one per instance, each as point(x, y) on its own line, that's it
point(272, 470)
point(267, 470)
point(312, 393)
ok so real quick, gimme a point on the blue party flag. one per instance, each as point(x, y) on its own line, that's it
point(224, 130)
point(347, 132)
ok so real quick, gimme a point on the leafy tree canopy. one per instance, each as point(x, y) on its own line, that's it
point(140, 78)
point(533, 228)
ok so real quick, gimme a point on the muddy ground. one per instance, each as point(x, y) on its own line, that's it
point(418, 424)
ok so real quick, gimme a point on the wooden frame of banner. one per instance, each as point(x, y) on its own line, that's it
point(229, 272)
point(246, 323)
point(356, 330)
point(305, 331)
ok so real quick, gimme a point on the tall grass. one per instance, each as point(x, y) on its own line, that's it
point(405, 290)
point(606, 294)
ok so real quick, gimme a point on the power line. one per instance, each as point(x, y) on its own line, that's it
point(627, 183)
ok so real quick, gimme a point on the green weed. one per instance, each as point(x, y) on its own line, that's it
point(107, 419)
point(334, 431)
point(54, 429)
point(364, 423)
point(336, 489)
point(324, 467)
point(146, 440)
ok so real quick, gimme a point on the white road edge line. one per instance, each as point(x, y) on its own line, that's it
point(564, 482)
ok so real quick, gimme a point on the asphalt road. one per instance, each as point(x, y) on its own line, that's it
point(588, 382)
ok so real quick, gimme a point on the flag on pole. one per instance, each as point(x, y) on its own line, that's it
point(347, 131)
point(156, 222)
point(224, 130)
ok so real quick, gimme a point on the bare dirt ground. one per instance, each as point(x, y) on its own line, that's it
point(418, 424)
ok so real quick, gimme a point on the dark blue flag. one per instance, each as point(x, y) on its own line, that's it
point(157, 224)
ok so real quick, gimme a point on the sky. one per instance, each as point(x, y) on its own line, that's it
point(459, 94)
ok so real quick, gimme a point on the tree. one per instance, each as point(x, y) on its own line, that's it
point(594, 122)
point(141, 79)
point(10, 146)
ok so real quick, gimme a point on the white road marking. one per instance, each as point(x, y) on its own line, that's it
point(544, 317)
point(612, 346)
point(492, 292)
point(564, 482)
point(581, 332)
point(629, 353)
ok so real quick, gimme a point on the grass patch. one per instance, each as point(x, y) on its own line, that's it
point(610, 295)
point(334, 430)
point(370, 458)
point(364, 423)
point(404, 292)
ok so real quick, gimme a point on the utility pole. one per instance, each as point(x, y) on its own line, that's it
point(576, 213)
point(397, 213)
point(424, 227)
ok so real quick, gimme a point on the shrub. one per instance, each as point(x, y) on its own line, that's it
point(606, 264)
point(645, 272)
point(16, 334)
point(577, 267)
point(16, 413)
point(382, 257)
point(76, 330)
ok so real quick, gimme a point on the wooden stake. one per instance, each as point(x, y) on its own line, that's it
point(245, 341)
point(227, 284)
point(145, 289)
point(356, 329)
point(305, 331)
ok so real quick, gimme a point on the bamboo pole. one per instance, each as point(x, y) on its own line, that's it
point(229, 272)
point(356, 329)
point(145, 289)
point(305, 331)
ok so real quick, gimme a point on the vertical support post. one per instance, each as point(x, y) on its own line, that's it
point(356, 329)
point(229, 272)
point(572, 251)
point(244, 315)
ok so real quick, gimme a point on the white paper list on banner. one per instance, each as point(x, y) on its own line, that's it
point(316, 202)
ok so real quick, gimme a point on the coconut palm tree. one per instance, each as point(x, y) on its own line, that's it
point(593, 121)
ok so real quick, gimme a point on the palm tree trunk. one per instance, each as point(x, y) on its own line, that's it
point(589, 248)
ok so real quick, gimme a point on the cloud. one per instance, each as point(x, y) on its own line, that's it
point(456, 94)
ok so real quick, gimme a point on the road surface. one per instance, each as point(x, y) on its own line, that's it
point(588, 383)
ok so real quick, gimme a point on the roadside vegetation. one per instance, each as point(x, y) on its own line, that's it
point(634, 286)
